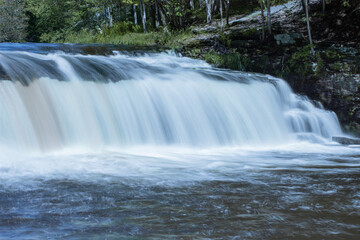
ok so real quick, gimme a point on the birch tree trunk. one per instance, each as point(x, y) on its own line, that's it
point(143, 14)
point(180, 17)
point(262, 21)
point(192, 6)
point(110, 17)
point(227, 6)
point(308, 27)
point(157, 23)
point(163, 17)
point(213, 6)
point(135, 15)
point(208, 11)
point(221, 14)
point(269, 16)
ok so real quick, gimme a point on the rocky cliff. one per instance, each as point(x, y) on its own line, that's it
point(331, 76)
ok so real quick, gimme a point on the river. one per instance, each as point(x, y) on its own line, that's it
point(133, 144)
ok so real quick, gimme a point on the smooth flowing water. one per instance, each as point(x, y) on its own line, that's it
point(160, 146)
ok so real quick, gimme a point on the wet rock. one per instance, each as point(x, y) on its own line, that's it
point(339, 84)
point(284, 39)
point(332, 76)
point(346, 141)
point(287, 39)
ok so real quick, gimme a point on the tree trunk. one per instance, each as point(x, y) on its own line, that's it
point(208, 11)
point(157, 23)
point(201, 3)
point(262, 21)
point(135, 15)
point(303, 5)
point(110, 17)
point(213, 6)
point(308, 27)
point(143, 14)
point(323, 6)
point(192, 5)
point(269, 17)
point(227, 3)
point(221, 14)
point(163, 16)
point(180, 17)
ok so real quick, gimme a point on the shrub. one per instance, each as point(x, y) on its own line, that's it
point(234, 61)
point(121, 28)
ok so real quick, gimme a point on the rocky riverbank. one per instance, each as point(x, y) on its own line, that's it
point(331, 76)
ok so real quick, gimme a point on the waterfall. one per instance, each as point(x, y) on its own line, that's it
point(56, 100)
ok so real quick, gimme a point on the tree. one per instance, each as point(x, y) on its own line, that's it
point(162, 12)
point(208, 10)
point(110, 15)
point(221, 14)
point(135, 14)
point(261, 2)
point(143, 14)
point(13, 20)
point(305, 4)
point(269, 16)
point(227, 10)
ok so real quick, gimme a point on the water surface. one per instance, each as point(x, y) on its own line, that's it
point(156, 146)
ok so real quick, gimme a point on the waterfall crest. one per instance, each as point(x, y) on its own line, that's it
point(60, 100)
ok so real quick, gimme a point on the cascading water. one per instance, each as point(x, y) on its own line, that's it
point(162, 147)
point(59, 100)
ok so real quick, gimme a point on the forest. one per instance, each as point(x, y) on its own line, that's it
point(94, 20)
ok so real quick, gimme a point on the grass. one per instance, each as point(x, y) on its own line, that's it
point(131, 39)
point(124, 34)
point(234, 61)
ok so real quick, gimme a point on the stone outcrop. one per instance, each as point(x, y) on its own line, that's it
point(347, 141)
point(332, 76)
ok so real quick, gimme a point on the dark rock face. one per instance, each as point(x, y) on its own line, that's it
point(341, 93)
point(287, 39)
point(332, 76)
point(346, 141)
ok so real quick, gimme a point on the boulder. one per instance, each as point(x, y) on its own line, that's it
point(284, 39)
point(346, 140)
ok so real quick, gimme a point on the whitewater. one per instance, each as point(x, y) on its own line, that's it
point(155, 145)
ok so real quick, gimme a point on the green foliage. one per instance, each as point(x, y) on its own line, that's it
point(194, 52)
point(131, 39)
point(332, 55)
point(301, 61)
point(346, 3)
point(57, 20)
point(82, 36)
point(339, 66)
point(52, 19)
point(163, 38)
point(278, 2)
point(234, 61)
point(13, 20)
point(124, 34)
point(250, 33)
point(320, 65)
point(51, 37)
point(225, 39)
point(175, 39)
point(120, 28)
